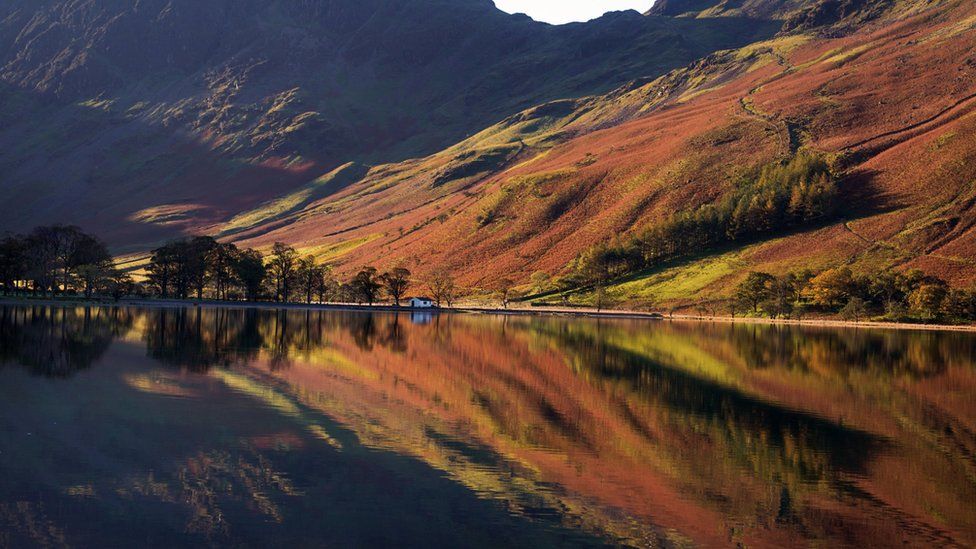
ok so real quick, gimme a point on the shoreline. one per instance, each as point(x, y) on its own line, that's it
point(483, 310)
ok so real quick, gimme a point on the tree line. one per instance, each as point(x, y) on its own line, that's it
point(59, 259)
point(894, 296)
point(783, 196)
point(63, 259)
point(201, 267)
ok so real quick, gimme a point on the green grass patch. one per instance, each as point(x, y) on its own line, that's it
point(681, 281)
point(335, 250)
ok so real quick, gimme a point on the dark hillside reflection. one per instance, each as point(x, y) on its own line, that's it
point(249, 423)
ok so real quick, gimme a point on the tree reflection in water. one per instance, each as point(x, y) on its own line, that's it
point(637, 431)
point(58, 342)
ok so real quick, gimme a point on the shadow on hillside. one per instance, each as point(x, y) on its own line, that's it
point(132, 183)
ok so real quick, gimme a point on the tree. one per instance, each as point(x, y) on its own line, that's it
point(55, 254)
point(755, 289)
point(540, 281)
point(927, 300)
point(365, 285)
point(13, 262)
point(162, 269)
point(909, 281)
point(960, 304)
point(65, 241)
point(396, 282)
point(90, 263)
point(47, 251)
point(442, 288)
point(119, 284)
point(855, 309)
point(281, 268)
point(250, 271)
point(329, 288)
point(505, 290)
point(831, 287)
point(92, 276)
point(600, 297)
point(198, 251)
point(783, 296)
point(884, 289)
point(221, 261)
point(310, 277)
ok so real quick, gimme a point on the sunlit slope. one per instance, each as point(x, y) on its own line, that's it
point(888, 100)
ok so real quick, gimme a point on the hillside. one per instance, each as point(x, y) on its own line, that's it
point(144, 120)
point(885, 93)
point(643, 119)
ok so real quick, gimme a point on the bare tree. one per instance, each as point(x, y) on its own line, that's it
point(396, 281)
point(365, 285)
point(442, 288)
point(281, 268)
point(600, 297)
point(310, 277)
point(220, 267)
point(505, 290)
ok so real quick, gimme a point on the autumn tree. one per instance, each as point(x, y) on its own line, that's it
point(927, 300)
point(540, 281)
point(48, 252)
point(198, 251)
point(831, 287)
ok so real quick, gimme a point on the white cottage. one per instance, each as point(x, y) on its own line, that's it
point(421, 303)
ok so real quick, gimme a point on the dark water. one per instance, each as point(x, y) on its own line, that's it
point(129, 427)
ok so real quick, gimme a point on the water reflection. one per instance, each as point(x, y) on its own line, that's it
point(58, 342)
point(536, 430)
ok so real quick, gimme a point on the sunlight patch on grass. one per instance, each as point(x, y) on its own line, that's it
point(166, 214)
point(294, 202)
point(335, 250)
point(679, 282)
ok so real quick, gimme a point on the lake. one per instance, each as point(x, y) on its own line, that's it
point(158, 427)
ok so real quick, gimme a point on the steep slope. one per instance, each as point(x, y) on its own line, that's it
point(889, 100)
point(160, 116)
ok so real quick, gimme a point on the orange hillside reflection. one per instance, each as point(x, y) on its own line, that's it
point(623, 431)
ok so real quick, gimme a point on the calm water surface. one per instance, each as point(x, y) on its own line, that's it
point(160, 427)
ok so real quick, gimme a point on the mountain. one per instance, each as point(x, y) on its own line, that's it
point(885, 95)
point(512, 162)
point(144, 119)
